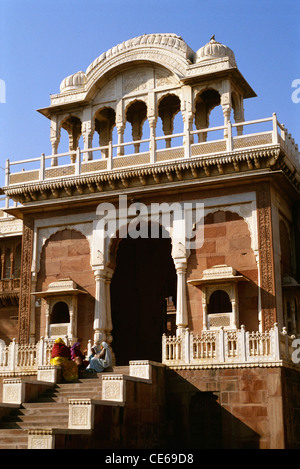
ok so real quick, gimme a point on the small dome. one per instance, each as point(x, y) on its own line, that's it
point(214, 50)
point(73, 82)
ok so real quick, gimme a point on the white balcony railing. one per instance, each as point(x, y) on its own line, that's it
point(112, 157)
point(219, 347)
point(24, 359)
point(210, 348)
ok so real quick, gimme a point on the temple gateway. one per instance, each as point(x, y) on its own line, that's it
point(169, 228)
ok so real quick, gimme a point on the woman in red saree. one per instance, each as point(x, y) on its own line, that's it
point(61, 356)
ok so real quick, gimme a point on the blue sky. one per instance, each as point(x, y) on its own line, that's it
point(43, 41)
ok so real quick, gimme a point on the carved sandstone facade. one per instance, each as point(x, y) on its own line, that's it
point(138, 127)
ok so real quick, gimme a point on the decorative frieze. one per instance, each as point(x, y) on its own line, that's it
point(267, 279)
point(25, 285)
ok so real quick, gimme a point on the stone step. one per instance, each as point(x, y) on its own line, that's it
point(62, 392)
point(13, 439)
point(38, 414)
point(51, 409)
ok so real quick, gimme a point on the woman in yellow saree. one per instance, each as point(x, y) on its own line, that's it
point(61, 356)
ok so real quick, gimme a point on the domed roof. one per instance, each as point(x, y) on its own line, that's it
point(77, 80)
point(214, 50)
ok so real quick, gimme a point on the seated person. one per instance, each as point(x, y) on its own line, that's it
point(61, 356)
point(100, 358)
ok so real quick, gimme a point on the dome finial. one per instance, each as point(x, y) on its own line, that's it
point(213, 38)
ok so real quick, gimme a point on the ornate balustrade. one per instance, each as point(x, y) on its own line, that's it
point(24, 359)
point(113, 157)
point(229, 347)
point(210, 348)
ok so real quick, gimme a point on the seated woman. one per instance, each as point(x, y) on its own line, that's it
point(101, 359)
point(61, 356)
point(77, 356)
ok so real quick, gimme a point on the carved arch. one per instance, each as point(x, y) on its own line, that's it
point(173, 62)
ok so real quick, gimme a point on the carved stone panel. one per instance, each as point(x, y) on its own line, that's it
point(268, 301)
point(25, 286)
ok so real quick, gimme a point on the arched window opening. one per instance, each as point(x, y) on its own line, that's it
point(168, 109)
point(73, 127)
point(205, 103)
point(136, 115)
point(60, 313)
point(219, 302)
point(105, 121)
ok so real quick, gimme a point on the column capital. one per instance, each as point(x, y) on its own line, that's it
point(180, 265)
point(100, 274)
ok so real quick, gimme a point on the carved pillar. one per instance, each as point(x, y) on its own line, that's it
point(109, 324)
point(46, 307)
point(32, 309)
point(181, 306)
point(188, 126)
point(226, 112)
point(54, 139)
point(100, 324)
point(25, 283)
point(204, 308)
point(267, 278)
point(120, 130)
point(87, 135)
point(152, 148)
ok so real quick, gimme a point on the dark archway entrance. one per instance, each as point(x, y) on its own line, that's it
point(144, 277)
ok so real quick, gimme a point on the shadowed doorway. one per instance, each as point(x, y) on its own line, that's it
point(144, 277)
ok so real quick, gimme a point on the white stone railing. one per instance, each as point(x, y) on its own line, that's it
point(21, 359)
point(112, 157)
point(219, 347)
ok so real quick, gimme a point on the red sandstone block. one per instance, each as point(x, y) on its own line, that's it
point(57, 251)
point(215, 260)
point(237, 229)
point(81, 248)
point(208, 247)
point(53, 268)
point(214, 231)
point(240, 244)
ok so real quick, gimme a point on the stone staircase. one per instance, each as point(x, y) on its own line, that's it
point(50, 409)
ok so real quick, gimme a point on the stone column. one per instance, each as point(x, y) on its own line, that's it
point(152, 146)
point(181, 306)
point(87, 134)
point(188, 138)
point(234, 303)
point(47, 316)
point(100, 306)
point(54, 139)
point(32, 309)
point(109, 325)
point(120, 130)
point(226, 112)
point(204, 308)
